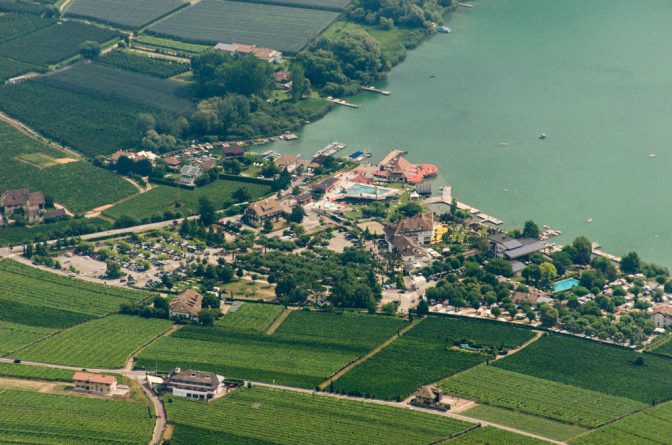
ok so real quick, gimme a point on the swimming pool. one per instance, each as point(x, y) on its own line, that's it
point(565, 284)
point(364, 189)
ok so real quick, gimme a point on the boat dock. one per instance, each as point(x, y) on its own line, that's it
point(598, 252)
point(329, 150)
point(341, 102)
point(376, 90)
point(447, 198)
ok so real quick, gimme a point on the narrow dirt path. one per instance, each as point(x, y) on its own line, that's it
point(129, 362)
point(135, 184)
point(537, 336)
point(23, 128)
point(278, 321)
point(338, 374)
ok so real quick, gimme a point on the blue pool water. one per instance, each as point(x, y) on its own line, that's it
point(362, 189)
point(565, 284)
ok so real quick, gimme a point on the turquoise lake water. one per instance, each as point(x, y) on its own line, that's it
point(595, 76)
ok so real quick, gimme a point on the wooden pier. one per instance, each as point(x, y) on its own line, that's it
point(598, 252)
point(447, 198)
point(341, 102)
point(376, 90)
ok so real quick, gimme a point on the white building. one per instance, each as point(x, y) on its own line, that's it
point(195, 384)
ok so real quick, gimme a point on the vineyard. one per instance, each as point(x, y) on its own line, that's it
point(125, 13)
point(11, 68)
point(649, 427)
point(47, 46)
point(104, 343)
point(267, 416)
point(525, 422)
point(92, 125)
point(13, 26)
point(492, 436)
point(28, 285)
point(63, 182)
point(252, 316)
point(304, 351)
point(495, 386)
point(424, 355)
point(32, 417)
point(326, 5)
point(154, 67)
point(14, 336)
point(211, 21)
point(35, 372)
point(105, 82)
point(173, 199)
point(608, 369)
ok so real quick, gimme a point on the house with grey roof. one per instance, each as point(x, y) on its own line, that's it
point(197, 385)
point(503, 246)
point(189, 173)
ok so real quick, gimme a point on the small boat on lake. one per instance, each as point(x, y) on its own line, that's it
point(443, 29)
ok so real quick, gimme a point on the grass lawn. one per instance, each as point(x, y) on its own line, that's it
point(525, 422)
point(103, 343)
point(392, 42)
point(251, 290)
point(264, 416)
point(253, 316)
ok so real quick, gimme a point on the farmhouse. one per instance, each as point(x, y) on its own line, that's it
point(662, 316)
point(187, 305)
point(21, 200)
point(194, 384)
point(95, 383)
point(503, 246)
point(267, 54)
point(258, 212)
point(431, 397)
point(289, 162)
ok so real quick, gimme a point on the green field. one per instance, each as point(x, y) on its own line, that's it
point(525, 422)
point(37, 298)
point(104, 81)
point(264, 416)
point(14, 236)
point(65, 182)
point(326, 5)
point(305, 350)
point(211, 21)
point(14, 336)
point(170, 45)
point(18, 371)
point(13, 26)
point(12, 68)
point(130, 61)
point(649, 427)
point(424, 355)
point(103, 343)
point(35, 418)
point(165, 198)
point(125, 13)
point(53, 44)
point(495, 386)
point(492, 436)
point(594, 366)
point(252, 316)
point(90, 124)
